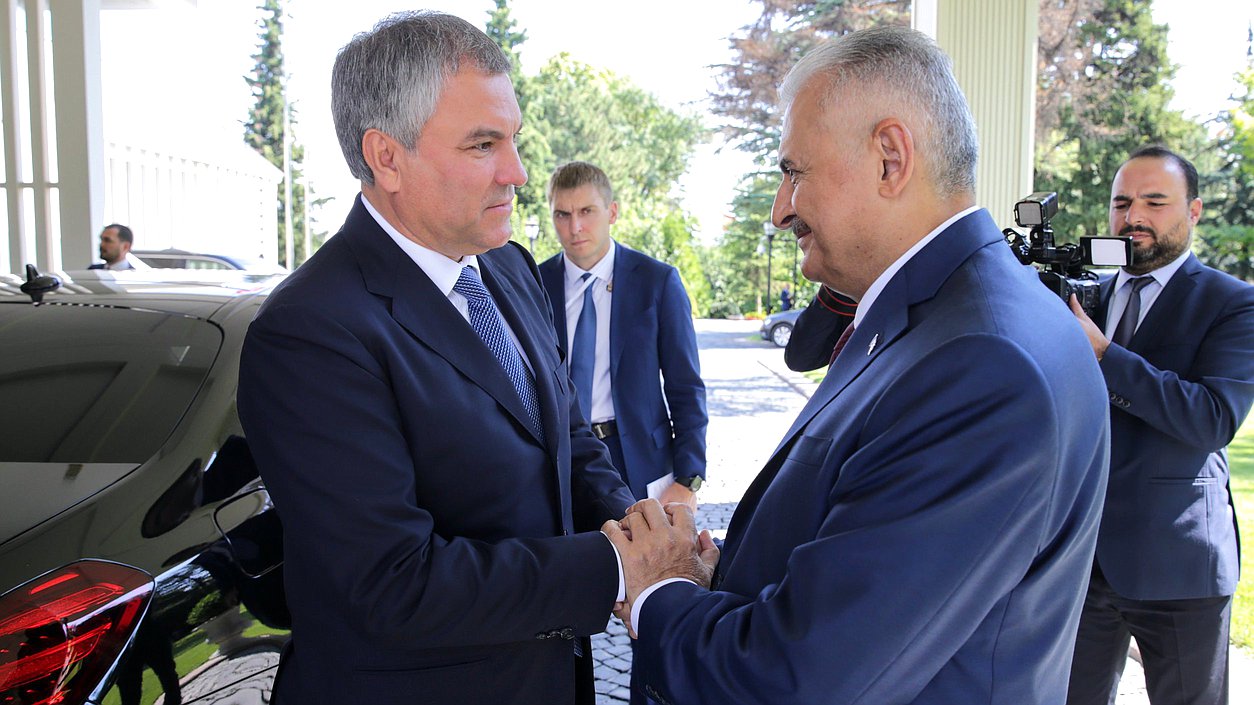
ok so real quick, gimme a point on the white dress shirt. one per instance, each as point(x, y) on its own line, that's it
point(602, 297)
point(1149, 293)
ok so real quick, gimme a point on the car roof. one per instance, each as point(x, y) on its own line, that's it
point(197, 293)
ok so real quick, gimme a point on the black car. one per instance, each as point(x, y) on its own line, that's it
point(139, 550)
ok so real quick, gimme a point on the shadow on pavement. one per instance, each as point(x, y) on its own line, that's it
point(710, 340)
point(747, 397)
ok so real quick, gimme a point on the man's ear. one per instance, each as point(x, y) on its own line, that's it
point(895, 145)
point(1195, 210)
point(380, 151)
point(613, 212)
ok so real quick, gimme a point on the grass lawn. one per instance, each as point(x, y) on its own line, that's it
point(1241, 462)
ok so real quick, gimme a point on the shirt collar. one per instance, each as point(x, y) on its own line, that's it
point(603, 270)
point(877, 286)
point(443, 271)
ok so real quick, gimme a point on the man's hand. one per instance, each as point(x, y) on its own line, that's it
point(663, 544)
point(680, 494)
point(1096, 338)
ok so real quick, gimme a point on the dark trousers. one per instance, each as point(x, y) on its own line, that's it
point(1183, 643)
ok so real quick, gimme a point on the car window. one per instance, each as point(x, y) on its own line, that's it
point(99, 384)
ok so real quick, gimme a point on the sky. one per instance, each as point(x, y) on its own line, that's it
point(173, 77)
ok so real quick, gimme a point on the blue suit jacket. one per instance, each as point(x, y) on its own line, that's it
point(430, 540)
point(925, 530)
point(650, 330)
point(1178, 394)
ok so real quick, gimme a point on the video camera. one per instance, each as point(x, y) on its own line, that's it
point(1064, 270)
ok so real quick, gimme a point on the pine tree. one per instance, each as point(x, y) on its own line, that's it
point(264, 129)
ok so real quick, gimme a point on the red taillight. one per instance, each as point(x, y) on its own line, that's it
point(60, 633)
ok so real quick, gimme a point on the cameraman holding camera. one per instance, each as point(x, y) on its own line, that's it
point(1176, 347)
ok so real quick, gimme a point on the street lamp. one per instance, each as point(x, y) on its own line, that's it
point(532, 228)
point(768, 228)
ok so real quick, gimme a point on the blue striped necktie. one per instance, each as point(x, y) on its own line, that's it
point(485, 318)
point(583, 353)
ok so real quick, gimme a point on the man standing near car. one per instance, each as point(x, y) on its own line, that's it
point(1177, 353)
point(623, 318)
point(115, 243)
point(405, 401)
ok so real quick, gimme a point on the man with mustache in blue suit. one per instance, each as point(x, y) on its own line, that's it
point(923, 532)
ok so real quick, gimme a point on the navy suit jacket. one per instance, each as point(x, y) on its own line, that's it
point(925, 530)
point(431, 551)
point(1178, 394)
point(650, 330)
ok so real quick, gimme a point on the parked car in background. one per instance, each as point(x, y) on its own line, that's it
point(777, 327)
point(139, 549)
point(181, 259)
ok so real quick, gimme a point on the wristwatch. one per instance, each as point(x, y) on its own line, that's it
point(692, 483)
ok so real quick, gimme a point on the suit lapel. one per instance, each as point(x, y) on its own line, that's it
point(1162, 319)
point(526, 328)
point(625, 264)
point(553, 274)
point(423, 310)
point(884, 324)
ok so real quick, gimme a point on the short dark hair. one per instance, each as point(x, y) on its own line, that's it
point(1157, 151)
point(575, 174)
point(124, 233)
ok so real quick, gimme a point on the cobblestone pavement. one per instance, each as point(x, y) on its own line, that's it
point(752, 399)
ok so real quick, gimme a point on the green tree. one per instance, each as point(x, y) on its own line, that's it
point(747, 94)
point(747, 102)
point(1225, 237)
point(1104, 90)
point(264, 128)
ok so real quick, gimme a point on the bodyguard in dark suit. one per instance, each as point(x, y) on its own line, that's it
point(115, 244)
point(1177, 352)
point(408, 408)
point(626, 319)
point(641, 325)
point(923, 533)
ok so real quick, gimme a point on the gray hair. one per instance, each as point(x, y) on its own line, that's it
point(391, 77)
point(905, 65)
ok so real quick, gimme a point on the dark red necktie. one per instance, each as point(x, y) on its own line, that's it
point(840, 343)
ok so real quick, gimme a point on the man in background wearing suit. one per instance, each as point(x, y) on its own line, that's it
point(818, 329)
point(923, 533)
point(1177, 354)
point(639, 324)
point(405, 401)
point(624, 317)
point(115, 243)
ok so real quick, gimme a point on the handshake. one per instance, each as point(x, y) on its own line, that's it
point(658, 543)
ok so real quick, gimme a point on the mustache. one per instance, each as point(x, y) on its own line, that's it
point(1129, 229)
point(799, 227)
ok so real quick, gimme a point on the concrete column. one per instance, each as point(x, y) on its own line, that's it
point(80, 130)
point(993, 46)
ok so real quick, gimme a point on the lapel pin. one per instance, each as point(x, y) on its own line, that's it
point(609, 286)
point(875, 340)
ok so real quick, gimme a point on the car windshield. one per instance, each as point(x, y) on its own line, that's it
point(97, 384)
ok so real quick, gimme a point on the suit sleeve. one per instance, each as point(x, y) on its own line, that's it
point(817, 329)
point(325, 426)
point(1204, 405)
point(935, 514)
point(681, 377)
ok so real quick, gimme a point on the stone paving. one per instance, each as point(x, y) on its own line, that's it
point(752, 399)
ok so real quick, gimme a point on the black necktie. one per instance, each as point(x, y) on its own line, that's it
point(1131, 312)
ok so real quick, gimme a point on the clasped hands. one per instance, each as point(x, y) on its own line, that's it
point(656, 543)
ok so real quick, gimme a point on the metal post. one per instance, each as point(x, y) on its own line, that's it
point(769, 229)
point(532, 228)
